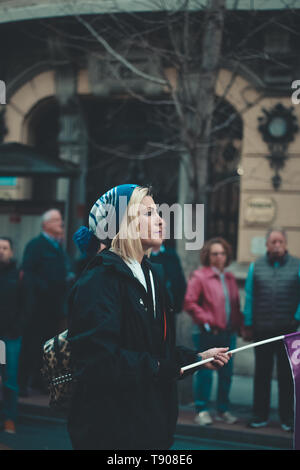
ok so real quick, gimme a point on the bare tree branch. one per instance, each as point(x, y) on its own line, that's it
point(118, 56)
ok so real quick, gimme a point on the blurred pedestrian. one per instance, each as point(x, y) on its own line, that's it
point(175, 279)
point(10, 331)
point(46, 276)
point(212, 300)
point(122, 335)
point(272, 308)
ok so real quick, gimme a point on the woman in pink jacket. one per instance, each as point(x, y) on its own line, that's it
point(212, 299)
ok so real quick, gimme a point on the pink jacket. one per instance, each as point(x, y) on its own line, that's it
point(205, 301)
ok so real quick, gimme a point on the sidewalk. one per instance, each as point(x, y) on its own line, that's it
point(36, 406)
point(241, 400)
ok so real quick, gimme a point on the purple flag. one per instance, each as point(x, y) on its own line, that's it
point(292, 345)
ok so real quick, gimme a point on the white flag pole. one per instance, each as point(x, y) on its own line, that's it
point(233, 351)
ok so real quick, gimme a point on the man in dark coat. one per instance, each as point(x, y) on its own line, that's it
point(45, 281)
point(272, 309)
point(174, 276)
point(10, 330)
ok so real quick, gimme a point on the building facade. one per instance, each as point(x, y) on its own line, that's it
point(63, 100)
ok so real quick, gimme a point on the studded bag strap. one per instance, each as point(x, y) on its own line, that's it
point(57, 351)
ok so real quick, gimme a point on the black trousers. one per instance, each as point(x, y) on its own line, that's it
point(265, 356)
point(43, 326)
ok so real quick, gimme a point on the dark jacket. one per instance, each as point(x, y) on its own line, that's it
point(11, 301)
point(45, 274)
point(175, 279)
point(276, 291)
point(123, 399)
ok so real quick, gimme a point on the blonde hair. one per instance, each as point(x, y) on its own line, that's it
point(126, 243)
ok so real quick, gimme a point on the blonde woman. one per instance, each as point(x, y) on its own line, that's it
point(122, 333)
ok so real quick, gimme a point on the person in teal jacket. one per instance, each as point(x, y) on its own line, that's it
point(10, 333)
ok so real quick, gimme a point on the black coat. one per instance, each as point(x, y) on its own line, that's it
point(45, 274)
point(11, 301)
point(122, 398)
point(175, 279)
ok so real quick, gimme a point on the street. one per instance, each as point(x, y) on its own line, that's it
point(37, 434)
point(194, 443)
point(44, 434)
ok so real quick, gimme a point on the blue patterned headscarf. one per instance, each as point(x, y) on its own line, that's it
point(104, 219)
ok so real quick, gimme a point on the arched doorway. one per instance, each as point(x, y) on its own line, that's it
point(36, 163)
point(123, 138)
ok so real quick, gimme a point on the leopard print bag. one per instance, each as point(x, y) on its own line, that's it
point(57, 371)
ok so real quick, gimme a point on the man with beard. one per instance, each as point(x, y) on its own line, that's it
point(272, 309)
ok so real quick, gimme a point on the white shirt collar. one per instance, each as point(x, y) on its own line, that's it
point(138, 272)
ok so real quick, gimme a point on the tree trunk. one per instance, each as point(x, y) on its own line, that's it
point(193, 177)
point(193, 184)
